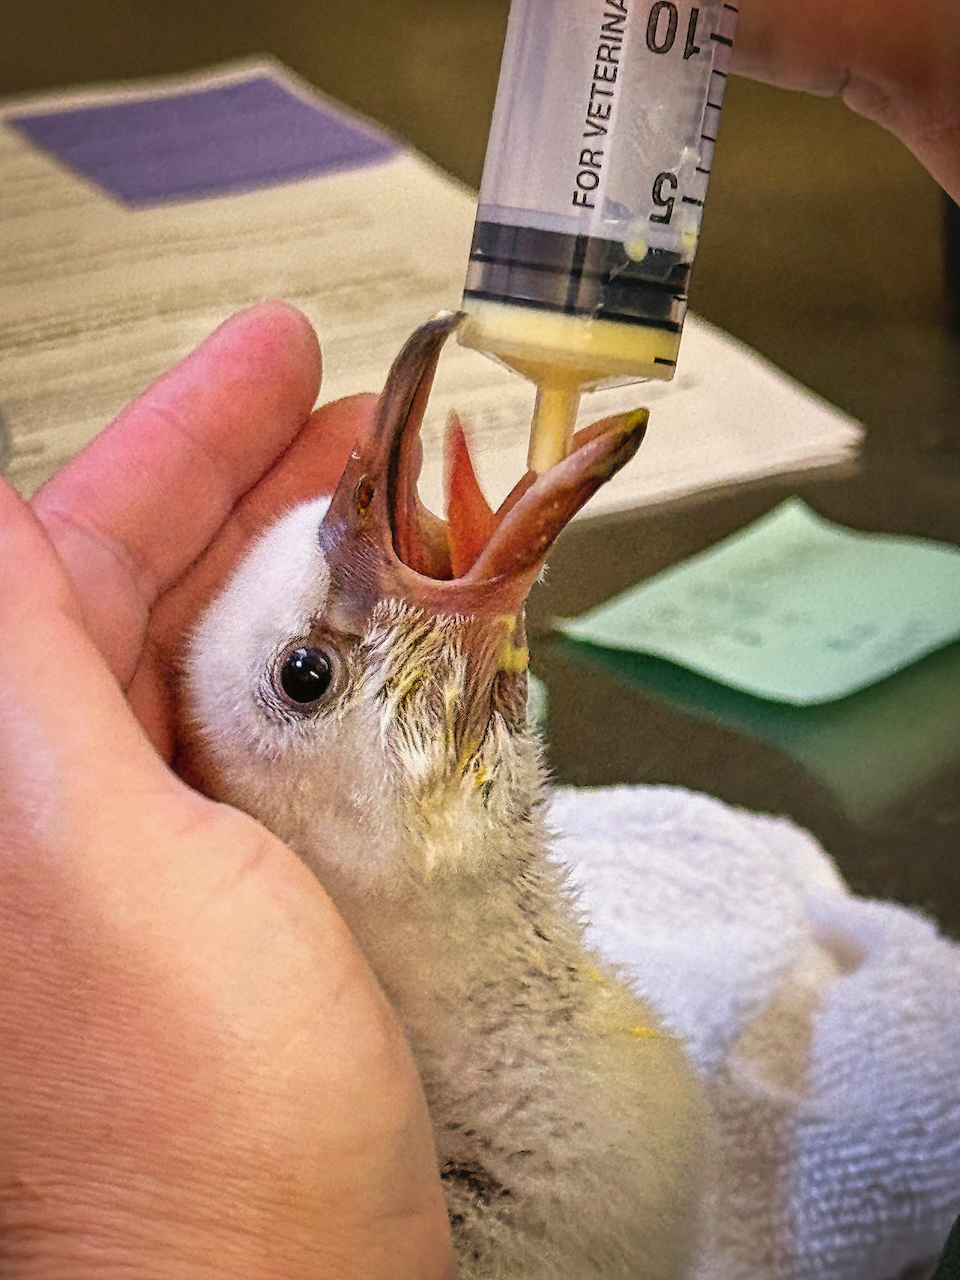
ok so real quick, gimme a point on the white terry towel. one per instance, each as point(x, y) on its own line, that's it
point(825, 1026)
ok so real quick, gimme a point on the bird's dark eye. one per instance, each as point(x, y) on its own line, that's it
point(305, 675)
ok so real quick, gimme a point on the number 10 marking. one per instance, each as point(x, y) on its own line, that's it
point(662, 42)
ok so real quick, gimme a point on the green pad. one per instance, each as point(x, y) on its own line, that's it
point(793, 608)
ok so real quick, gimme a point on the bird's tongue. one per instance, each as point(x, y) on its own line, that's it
point(476, 543)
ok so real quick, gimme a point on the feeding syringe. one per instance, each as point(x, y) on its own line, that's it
point(596, 172)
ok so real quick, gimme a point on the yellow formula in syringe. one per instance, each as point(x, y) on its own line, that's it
point(596, 172)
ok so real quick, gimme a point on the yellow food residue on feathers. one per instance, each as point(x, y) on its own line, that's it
point(514, 658)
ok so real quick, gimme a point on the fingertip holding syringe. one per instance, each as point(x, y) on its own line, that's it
point(596, 172)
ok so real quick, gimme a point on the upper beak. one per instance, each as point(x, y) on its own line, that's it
point(380, 541)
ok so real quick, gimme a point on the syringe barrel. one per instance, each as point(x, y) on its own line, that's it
point(597, 167)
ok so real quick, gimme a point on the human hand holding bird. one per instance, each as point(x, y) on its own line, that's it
point(199, 1076)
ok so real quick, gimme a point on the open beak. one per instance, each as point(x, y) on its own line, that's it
point(381, 542)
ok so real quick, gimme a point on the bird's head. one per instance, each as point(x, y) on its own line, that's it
point(360, 685)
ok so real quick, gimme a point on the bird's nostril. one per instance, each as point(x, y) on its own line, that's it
point(363, 494)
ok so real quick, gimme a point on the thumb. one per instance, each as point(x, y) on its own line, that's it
point(66, 731)
point(32, 581)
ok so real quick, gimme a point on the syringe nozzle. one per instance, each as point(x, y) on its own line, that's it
point(551, 432)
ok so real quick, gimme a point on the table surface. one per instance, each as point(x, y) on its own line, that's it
point(821, 248)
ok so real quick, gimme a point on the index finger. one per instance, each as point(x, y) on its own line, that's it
point(135, 508)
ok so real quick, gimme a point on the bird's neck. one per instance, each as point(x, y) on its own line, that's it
point(449, 892)
point(474, 926)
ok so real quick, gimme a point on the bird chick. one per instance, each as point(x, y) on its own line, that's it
point(360, 688)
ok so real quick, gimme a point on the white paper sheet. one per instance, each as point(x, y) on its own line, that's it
point(97, 299)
